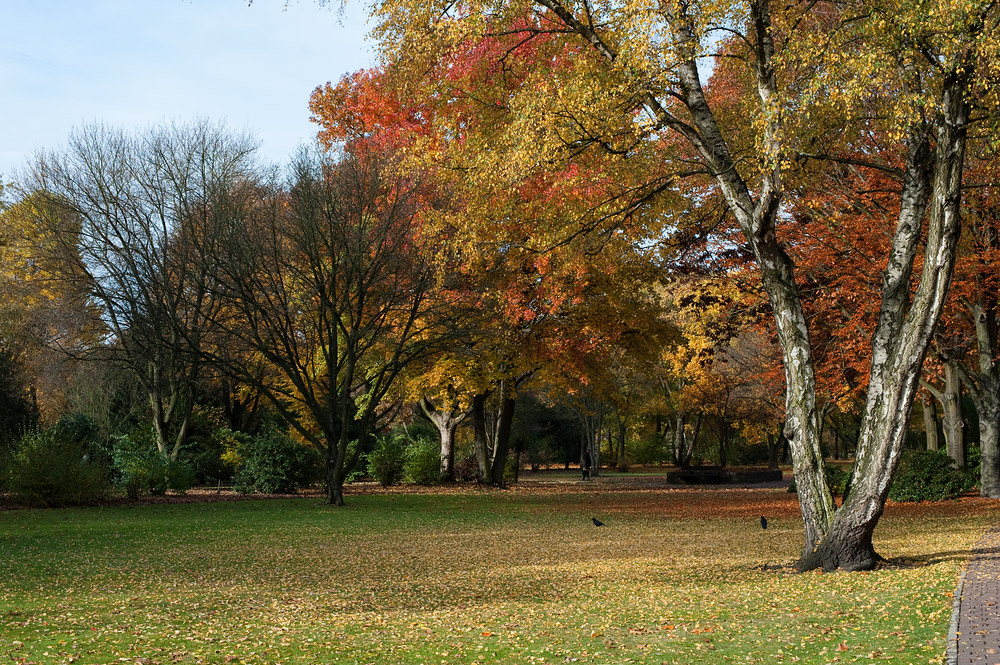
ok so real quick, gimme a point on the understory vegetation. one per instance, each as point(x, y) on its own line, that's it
point(473, 577)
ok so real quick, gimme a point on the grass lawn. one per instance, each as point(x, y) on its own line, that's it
point(522, 576)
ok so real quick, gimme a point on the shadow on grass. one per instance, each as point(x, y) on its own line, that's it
point(939, 557)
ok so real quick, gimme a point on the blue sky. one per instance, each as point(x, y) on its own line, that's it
point(133, 63)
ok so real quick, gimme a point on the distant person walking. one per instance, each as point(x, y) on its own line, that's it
point(585, 464)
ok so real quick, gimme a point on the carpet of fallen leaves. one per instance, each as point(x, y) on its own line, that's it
point(468, 576)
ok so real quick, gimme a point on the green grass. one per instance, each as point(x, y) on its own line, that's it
point(514, 577)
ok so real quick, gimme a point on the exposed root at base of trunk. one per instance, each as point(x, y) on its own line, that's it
point(849, 559)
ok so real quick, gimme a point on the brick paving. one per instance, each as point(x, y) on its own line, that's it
point(975, 627)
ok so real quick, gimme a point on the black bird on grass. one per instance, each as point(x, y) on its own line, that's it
point(763, 522)
point(596, 521)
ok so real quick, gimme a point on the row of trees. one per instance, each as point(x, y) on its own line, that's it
point(817, 116)
point(173, 256)
point(550, 193)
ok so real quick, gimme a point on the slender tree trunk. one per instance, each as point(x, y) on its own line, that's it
point(502, 443)
point(953, 419)
point(480, 440)
point(930, 420)
point(621, 461)
point(677, 440)
point(775, 446)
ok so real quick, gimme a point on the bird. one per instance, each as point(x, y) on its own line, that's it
point(763, 522)
point(596, 521)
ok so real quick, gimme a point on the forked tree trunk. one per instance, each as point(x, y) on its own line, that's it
point(447, 421)
point(952, 418)
point(904, 330)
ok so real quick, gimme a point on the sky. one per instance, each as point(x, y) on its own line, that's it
point(134, 63)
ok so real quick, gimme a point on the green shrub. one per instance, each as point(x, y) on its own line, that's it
point(511, 468)
point(274, 463)
point(207, 443)
point(143, 470)
point(55, 468)
point(540, 451)
point(423, 462)
point(387, 459)
point(973, 465)
point(649, 450)
point(837, 479)
point(926, 475)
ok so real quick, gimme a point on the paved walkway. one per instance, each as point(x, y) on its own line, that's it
point(975, 624)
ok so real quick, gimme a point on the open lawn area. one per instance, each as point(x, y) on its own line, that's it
point(463, 576)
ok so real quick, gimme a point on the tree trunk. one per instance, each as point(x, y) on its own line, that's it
point(989, 446)
point(905, 327)
point(984, 386)
point(447, 469)
point(502, 443)
point(952, 419)
point(621, 462)
point(447, 421)
point(930, 420)
point(480, 439)
point(334, 479)
point(775, 446)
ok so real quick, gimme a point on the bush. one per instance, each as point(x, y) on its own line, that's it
point(52, 467)
point(836, 479)
point(649, 450)
point(423, 462)
point(207, 445)
point(143, 470)
point(926, 475)
point(540, 452)
point(386, 461)
point(274, 463)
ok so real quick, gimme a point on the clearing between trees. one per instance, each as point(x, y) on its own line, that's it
point(469, 576)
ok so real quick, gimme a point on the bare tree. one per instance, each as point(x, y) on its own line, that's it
point(122, 207)
point(326, 283)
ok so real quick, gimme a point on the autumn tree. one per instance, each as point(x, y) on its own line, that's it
point(325, 282)
point(642, 63)
point(967, 340)
point(516, 308)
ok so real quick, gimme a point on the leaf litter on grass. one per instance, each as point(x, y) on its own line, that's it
point(515, 577)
